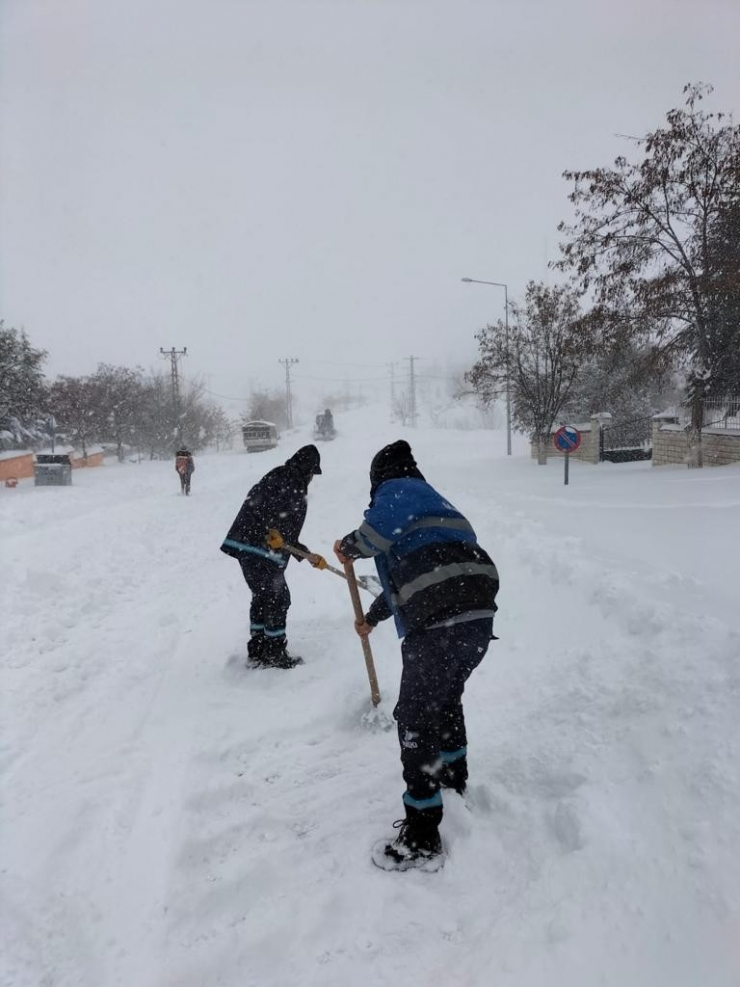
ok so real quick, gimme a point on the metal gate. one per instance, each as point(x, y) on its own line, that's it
point(627, 442)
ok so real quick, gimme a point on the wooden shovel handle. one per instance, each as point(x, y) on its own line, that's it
point(349, 572)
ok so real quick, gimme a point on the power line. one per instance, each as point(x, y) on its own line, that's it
point(224, 397)
point(342, 380)
point(338, 363)
point(434, 377)
point(394, 378)
point(339, 380)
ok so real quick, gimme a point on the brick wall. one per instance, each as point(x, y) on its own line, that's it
point(94, 459)
point(19, 467)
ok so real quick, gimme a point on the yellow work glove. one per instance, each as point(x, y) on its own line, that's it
point(274, 539)
point(318, 561)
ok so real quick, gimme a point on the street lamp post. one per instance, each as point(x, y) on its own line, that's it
point(500, 284)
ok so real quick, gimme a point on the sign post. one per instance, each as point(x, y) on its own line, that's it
point(567, 439)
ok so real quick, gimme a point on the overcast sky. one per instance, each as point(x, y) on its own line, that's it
point(256, 179)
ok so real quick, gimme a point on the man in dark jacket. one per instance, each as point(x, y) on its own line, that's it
point(440, 586)
point(278, 501)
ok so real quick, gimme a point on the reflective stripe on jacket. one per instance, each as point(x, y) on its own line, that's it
point(427, 555)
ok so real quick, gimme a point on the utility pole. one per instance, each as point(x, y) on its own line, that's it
point(412, 390)
point(288, 361)
point(508, 373)
point(174, 356)
point(501, 284)
point(392, 368)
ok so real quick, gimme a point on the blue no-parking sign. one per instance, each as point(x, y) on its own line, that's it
point(567, 439)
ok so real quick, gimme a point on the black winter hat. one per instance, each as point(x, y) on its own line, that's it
point(393, 462)
point(307, 460)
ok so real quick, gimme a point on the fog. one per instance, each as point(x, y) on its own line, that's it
point(263, 180)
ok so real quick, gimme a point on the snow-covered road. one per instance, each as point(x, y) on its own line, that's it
point(172, 820)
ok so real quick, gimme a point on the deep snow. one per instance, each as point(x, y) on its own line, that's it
point(171, 819)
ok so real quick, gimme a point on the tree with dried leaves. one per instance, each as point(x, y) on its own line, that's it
point(120, 391)
point(621, 375)
point(78, 406)
point(548, 342)
point(646, 241)
point(724, 341)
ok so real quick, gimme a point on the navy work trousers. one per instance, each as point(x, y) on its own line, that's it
point(270, 596)
point(437, 662)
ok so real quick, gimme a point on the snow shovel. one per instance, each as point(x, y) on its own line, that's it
point(371, 584)
point(354, 593)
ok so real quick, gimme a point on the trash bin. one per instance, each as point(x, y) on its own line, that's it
point(52, 471)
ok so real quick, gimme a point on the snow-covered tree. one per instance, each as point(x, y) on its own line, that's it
point(646, 239)
point(22, 390)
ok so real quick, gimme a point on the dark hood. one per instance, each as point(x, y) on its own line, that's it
point(393, 462)
point(307, 460)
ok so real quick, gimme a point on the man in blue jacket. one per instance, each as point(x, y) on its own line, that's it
point(278, 501)
point(440, 586)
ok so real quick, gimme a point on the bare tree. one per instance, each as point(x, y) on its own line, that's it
point(547, 342)
point(267, 406)
point(154, 424)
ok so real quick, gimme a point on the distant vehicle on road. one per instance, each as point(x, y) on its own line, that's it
point(324, 427)
point(258, 436)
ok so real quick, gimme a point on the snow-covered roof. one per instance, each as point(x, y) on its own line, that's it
point(581, 426)
point(71, 451)
point(257, 421)
point(15, 453)
point(58, 451)
point(732, 431)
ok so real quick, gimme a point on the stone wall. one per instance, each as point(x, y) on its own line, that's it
point(670, 442)
point(720, 446)
point(588, 450)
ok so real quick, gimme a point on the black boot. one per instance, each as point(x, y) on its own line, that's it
point(418, 843)
point(454, 774)
point(256, 648)
point(275, 654)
